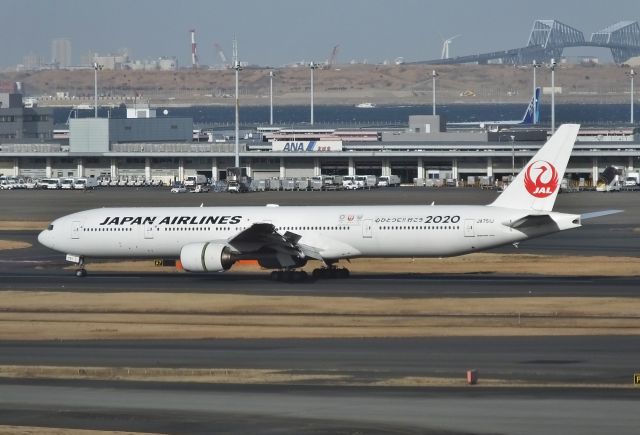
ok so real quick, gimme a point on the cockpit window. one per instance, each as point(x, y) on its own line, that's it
point(50, 227)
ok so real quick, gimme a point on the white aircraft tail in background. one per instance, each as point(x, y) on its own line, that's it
point(531, 116)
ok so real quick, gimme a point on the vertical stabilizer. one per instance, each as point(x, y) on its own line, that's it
point(532, 114)
point(536, 186)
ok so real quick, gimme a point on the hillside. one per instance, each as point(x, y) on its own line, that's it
point(403, 84)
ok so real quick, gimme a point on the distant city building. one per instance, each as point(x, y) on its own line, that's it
point(32, 61)
point(111, 61)
point(61, 52)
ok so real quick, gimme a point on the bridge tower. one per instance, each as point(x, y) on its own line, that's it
point(547, 40)
point(623, 38)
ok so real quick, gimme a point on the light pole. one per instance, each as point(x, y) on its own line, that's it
point(237, 67)
point(434, 74)
point(96, 67)
point(536, 65)
point(553, 96)
point(632, 73)
point(312, 66)
point(270, 97)
point(513, 157)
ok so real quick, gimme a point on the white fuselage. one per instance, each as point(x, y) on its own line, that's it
point(334, 231)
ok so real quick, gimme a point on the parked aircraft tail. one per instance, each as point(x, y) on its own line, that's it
point(536, 186)
point(532, 114)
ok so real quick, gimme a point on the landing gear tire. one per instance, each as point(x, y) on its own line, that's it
point(81, 273)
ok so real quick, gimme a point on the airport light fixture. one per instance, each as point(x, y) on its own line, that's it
point(96, 67)
point(434, 74)
point(270, 97)
point(312, 66)
point(513, 157)
point(553, 95)
point(237, 67)
point(632, 73)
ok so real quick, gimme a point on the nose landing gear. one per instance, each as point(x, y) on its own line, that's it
point(81, 272)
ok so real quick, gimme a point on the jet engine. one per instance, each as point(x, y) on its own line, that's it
point(206, 257)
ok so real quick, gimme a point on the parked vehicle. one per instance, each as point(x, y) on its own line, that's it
point(200, 188)
point(67, 183)
point(236, 187)
point(85, 183)
point(632, 180)
point(349, 182)
point(609, 180)
point(303, 184)
point(195, 180)
point(388, 181)
point(178, 188)
point(49, 183)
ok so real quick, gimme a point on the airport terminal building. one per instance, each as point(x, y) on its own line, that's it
point(145, 146)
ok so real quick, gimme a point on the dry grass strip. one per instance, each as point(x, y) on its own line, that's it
point(6, 245)
point(59, 315)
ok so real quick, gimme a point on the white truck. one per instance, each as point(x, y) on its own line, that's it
point(85, 183)
point(349, 182)
point(366, 181)
point(388, 181)
point(633, 180)
point(195, 180)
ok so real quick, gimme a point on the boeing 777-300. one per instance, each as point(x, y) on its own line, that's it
point(212, 239)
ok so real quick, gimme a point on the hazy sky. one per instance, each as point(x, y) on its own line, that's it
point(275, 32)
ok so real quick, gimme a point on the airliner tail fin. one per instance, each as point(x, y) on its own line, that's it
point(532, 114)
point(536, 186)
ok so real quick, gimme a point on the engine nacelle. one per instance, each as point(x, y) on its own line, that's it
point(206, 257)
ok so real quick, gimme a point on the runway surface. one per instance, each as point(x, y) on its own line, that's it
point(578, 360)
point(316, 408)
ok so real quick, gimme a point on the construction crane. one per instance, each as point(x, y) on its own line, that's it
point(223, 58)
point(332, 57)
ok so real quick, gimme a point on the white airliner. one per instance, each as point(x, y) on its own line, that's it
point(212, 239)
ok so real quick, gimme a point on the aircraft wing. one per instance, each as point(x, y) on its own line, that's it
point(264, 235)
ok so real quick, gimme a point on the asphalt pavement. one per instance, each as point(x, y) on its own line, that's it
point(313, 409)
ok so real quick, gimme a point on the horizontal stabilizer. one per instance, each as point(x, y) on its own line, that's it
point(597, 214)
point(532, 220)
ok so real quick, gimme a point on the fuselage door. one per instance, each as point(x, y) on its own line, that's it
point(367, 228)
point(469, 228)
point(75, 229)
point(148, 231)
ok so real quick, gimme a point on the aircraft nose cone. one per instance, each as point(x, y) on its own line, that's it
point(44, 239)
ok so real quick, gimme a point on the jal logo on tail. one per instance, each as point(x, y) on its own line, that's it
point(541, 179)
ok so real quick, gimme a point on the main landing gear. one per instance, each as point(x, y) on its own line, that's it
point(290, 275)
